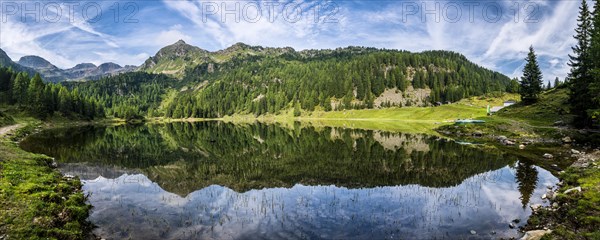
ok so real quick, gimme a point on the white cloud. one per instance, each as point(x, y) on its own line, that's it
point(254, 27)
point(123, 59)
point(501, 46)
point(18, 40)
point(64, 41)
point(554, 62)
point(548, 37)
point(171, 36)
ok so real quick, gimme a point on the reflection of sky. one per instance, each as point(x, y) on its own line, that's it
point(133, 206)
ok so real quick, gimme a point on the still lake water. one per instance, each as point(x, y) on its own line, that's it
point(216, 180)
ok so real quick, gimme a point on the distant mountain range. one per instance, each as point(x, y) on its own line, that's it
point(5, 61)
point(182, 80)
point(51, 73)
point(171, 60)
point(175, 58)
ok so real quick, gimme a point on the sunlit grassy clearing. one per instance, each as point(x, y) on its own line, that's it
point(442, 113)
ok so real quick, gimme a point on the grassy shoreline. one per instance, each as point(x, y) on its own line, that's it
point(37, 201)
point(31, 176)
point(408, 119)
point(574, 211)
point(533, 130)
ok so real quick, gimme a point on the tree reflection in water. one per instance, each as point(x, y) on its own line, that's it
point(220, 180)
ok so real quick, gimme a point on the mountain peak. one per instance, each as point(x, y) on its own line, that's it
point(34, 62)
point(240, 45)
point(180, 44)
point(84, 66)
point(237, 47)
point(4, 59)
point(3, 53)
point(108, 66)
point(174, 51)
point(178, 49)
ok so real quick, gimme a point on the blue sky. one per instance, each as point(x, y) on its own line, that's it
point(494, 34)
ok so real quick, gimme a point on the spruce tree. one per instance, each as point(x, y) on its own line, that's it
point(593, 109)
point(556, 82)
point(35, 96)
point(526, 176)
point(531, 82)
point(64, 101)
point(20, 86)
point(580, 62)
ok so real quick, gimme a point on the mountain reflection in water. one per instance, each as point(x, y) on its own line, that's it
point(224, 181)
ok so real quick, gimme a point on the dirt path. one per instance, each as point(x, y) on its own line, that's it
point(7, 129)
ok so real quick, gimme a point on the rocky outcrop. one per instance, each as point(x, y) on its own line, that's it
point(535, 234)
point(549, 217)
point(585, 159)
point(408, 97)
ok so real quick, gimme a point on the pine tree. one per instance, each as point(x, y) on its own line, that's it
point(548, 87)
point(580, 62)
point(531, 82)
point(556, 82)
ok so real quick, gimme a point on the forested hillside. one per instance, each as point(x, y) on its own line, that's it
point(183, 81)
point(44, 99)
point(349, 78)
point(129, 95)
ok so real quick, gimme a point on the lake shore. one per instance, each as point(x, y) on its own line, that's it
point(527, 132)
point(525, 138)
point(574, 209)
point(37, 201)
point(470, 164)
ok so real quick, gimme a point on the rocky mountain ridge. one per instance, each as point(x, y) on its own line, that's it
point(51, 73)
